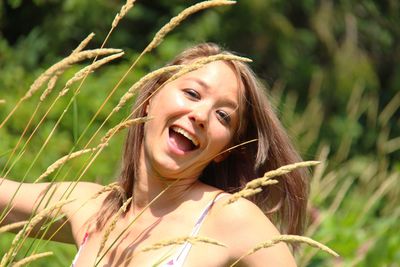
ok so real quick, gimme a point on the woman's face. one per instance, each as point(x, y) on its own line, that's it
point(194, 119)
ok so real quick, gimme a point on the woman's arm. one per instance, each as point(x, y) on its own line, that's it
point(20, 201)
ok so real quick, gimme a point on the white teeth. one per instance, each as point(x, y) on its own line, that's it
point(186, 134)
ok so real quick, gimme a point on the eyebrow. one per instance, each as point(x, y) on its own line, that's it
point(200, 82)
point(228, 102)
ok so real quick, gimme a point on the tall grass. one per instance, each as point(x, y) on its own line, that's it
point(347, 190)
point(354, 198)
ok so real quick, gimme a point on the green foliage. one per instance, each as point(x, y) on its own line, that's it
point(333, 72)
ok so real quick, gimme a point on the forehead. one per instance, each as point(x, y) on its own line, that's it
point(218, 78)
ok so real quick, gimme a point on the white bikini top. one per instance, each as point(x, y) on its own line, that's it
point(180, 256)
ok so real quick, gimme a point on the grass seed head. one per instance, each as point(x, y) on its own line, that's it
point(197, 64)
point(50, 85)
point(124, 9)
point(111, 187)
point(113, 223)
point(87, 70)
point(62, 161)
point(120, 127)
point(28, 228)
point(175, 21)
point(255, 186)
point(288, 239)
point(31, 258)
point(132, 90)
point(64, 64)
point(83, 44)
point(182, 240)
point(12, 226)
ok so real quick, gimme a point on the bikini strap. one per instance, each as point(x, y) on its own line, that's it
point(183, 252)
point(82, 245)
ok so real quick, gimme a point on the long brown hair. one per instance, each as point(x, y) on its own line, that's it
point(285, 203)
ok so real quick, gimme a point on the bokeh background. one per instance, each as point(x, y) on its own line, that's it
point(331, 68)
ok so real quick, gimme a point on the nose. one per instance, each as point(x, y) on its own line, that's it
point(199, 115)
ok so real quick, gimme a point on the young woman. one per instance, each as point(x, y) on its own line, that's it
point(195, 118)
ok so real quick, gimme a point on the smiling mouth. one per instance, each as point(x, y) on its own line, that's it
point(183, 140)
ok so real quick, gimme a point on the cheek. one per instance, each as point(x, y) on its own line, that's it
point(179, 101)
point(222, 136)
point(146, 127)
point(166, 100)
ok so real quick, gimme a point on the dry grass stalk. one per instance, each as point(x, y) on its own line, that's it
point(340, 195)
point(2, 101)
point(392, 145)
point(61, 161)
point(389, 109)
point(43, 78)
point(87, 70)
point(135, 218)
point(83, 44)
point(182, 70)
point(289, 239)
point(158, 38)
point(379, 193)
point(112, 225)
point(111, 187)
point(175, 21)
point(73, 58)
point(12, 226)
point(250, 192)
point(121, 126)
point(181, 241)
point(124, 9)
point(31, 258)
point(50, 85)
point(131, 92)
point(65, 63)
point(28, 228)
point(107, 188)
point(257, 183)
point(203, 61)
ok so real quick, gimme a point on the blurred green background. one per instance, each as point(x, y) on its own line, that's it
point(331, 67)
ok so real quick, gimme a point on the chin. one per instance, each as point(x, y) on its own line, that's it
point(173, 171)
point(166, 167)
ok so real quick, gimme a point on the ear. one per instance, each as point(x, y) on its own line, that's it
point(146, 110)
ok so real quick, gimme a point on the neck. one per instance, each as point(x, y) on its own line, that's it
point(166, 193)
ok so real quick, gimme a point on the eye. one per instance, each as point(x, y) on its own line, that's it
point(224, 117)
point(192, 93)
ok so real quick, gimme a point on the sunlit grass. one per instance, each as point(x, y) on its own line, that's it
point(354, 197)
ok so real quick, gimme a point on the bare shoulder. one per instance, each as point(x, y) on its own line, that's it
point(86, 200)
point(77, 192)
point(244, 215)
point(81, 190)
point(242, 226)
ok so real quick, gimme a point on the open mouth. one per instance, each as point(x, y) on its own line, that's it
point(183, 140)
